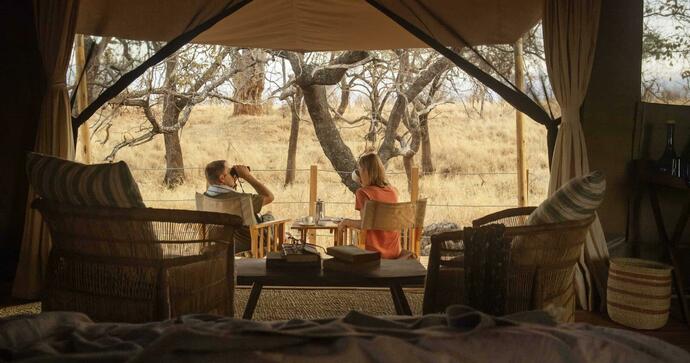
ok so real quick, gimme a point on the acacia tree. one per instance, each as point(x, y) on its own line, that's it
point(167, 94)
point(249, 84)
point(293, 96)
point(409, 82)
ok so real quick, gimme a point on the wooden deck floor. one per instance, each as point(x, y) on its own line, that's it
point(675, 332)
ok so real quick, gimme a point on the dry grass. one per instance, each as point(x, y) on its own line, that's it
point(461, 145)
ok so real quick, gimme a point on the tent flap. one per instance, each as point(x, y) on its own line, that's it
point(313, 25)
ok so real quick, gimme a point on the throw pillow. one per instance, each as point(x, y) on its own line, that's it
point(577, 199)
point(64, 181)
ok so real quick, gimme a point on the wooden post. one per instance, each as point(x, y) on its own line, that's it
point(527, 182)
point(519, 128)
point(414, 184)
point(313, 187)
point(82, 100)
point(414, 197)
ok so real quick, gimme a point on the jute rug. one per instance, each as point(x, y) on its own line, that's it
point(300, 303)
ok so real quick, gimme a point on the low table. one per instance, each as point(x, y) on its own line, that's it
point(393, 274)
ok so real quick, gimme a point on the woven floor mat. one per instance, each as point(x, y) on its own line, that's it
point(296, 303)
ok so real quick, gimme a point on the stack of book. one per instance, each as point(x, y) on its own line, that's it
point(294, 257)
point(351, 259)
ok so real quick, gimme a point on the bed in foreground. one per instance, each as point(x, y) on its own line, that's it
point(460, 335)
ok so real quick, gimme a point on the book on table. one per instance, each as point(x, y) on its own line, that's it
point(300, 253)
point(353, 255)
point(333, 264)
point(276, 260)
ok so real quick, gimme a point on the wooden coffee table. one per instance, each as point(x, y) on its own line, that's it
point(393, 274)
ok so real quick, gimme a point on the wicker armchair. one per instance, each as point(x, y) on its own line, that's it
point(540, 272)
point(543, 260)
point(138, 264)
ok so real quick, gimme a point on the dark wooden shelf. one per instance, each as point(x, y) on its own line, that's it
point(647, 177)
point(647, 174)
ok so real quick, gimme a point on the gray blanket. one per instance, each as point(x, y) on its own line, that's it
point(460, 335)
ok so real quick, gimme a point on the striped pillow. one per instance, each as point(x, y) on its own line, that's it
point(577, 199)
point(64, 181)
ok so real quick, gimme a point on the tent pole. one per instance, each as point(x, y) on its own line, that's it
point(82, 98)
point(519, 128)
point(171, 47)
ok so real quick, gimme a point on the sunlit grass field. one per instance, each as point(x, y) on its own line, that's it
point(474, 157)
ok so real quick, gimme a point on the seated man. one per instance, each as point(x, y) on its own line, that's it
point(223, 184)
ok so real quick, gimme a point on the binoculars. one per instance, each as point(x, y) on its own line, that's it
point(233, 172)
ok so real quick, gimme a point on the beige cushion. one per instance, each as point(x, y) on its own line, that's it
point(64, 181)
point(575, 200)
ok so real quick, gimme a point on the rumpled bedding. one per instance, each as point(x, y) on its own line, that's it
point(459, 335)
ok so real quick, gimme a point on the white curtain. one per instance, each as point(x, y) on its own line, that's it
point(570, 34)
point(55, 21)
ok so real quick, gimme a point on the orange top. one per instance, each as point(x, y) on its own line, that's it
point(386, 242)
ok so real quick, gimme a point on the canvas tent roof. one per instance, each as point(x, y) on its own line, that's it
point(313, 25)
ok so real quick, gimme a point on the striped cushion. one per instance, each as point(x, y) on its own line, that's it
point(64, 181)
point(577, 199)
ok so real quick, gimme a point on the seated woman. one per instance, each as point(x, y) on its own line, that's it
point(375, 186)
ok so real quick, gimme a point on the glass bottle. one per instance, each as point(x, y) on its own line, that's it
point(666, 162)
point(685, 162)
point(320, 211)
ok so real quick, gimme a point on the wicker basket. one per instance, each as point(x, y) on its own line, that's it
point(639, 293)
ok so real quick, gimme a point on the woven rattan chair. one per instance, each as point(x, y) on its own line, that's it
point(543, 260)
point(467, 267)
point(138, 264)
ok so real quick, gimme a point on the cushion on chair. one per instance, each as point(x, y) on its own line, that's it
point(575, 200)
point(64, 181)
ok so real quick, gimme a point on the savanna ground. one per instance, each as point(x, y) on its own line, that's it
point(474, 157)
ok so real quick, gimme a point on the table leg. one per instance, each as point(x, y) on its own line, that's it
point(680, 225)
point(251, 302)
point(670, 248)
point(337, 236)
point(658, 218)
point(402, 307)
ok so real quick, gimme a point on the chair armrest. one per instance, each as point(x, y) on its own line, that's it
point(452, 235)
point(270, 223)
point(504, 214)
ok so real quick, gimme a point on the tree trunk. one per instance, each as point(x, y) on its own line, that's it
point(174, 164)
point(328, 135)
point(312, 83)
point(427, 164)
point(295, 105)
point(408, 163)
point(249, 85)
